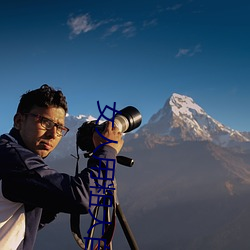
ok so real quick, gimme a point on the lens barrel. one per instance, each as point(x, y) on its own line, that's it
point(128, 119)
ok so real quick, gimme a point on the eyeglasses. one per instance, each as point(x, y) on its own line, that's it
point(49, 124)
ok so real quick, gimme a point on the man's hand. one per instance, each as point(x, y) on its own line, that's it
point(111, 133)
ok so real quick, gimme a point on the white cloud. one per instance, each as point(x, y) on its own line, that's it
point(83, 24)
point(189, 52)
point(197, 49)
point(182, 52)
point(127, 29)
point(150, 23)
point(174, 7)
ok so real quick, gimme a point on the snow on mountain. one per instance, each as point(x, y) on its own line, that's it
point(67, 146)
point(182, 119)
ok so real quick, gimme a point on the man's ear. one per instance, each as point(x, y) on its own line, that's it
point(18, 119)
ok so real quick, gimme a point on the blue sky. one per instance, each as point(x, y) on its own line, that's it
point(130, 52)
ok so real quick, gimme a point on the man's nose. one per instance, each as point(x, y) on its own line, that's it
point(52, 132)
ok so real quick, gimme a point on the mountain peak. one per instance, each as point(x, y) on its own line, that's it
point(182, 119)
point(185, 105)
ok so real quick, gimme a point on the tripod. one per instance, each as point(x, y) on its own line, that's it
point(126, 229)
point(117, 211)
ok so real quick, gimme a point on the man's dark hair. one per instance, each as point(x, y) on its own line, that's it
point(45, 96)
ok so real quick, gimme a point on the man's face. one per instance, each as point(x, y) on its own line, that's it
point(35, 137)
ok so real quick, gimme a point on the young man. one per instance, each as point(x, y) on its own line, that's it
point(29, 189)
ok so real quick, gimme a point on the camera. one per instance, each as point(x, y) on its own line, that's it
point(125, 120)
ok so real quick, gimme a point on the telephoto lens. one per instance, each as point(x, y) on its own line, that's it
point(128, 119)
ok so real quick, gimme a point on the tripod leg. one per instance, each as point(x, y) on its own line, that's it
point(108, 219)
point(107, 211)
point(126, 229)
point(93, 228)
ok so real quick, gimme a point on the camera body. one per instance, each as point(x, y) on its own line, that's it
point(126, 120)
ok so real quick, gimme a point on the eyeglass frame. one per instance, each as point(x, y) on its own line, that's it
point(41, 118)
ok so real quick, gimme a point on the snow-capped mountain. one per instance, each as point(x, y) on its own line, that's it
point(182, 119)
point(68, 143)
